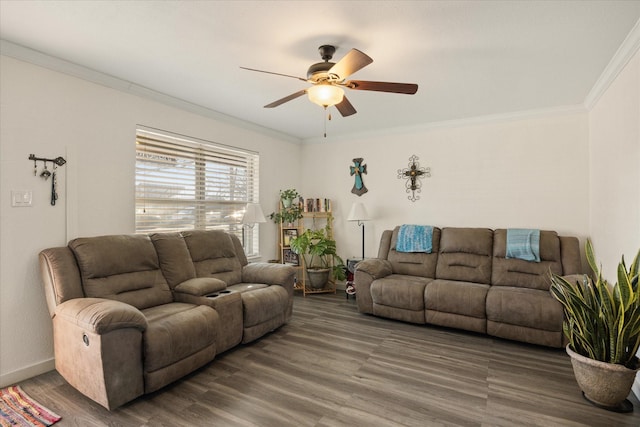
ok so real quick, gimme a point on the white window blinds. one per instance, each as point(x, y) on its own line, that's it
point(183, 183)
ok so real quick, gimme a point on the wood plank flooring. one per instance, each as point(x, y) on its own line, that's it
point(331, 366)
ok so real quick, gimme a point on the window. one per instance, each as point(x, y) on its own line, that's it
point(184, 183)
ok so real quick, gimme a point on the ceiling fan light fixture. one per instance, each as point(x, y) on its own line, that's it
point(325, 95)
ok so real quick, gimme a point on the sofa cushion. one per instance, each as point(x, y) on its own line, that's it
point(176, 331)
point(263, 304)
point(526, 274)
point(400, 291)
point(122, 268)
point(465, 255)
point(464, 298)
point(414, 263)
point(201, 286)
point(531, 308)
point(214, 255)
point(174, 258)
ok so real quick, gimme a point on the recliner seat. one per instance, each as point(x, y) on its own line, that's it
point(133, 313)
point(466, 282)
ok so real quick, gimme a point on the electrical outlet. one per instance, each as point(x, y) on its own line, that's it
point(21, 198)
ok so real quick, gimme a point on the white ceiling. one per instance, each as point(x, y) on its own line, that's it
point(469, 58)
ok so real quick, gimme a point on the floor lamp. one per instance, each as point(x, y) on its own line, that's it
point(359, 213)
point(252, 215)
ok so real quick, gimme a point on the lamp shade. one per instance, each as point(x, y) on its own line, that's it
point(253, 214)
point(325, 95)
point(358, 213)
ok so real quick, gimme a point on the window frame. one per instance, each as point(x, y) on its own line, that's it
point(183, 182)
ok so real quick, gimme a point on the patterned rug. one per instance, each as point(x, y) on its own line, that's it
point(18, 409)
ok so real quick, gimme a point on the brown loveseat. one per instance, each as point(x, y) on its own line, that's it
point(133, 313)
point(466, 282)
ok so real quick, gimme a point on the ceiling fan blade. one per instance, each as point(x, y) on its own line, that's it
point(345, 108)
point(407, 88)
point(277, 74)
point(286, 99)
point(353, 61)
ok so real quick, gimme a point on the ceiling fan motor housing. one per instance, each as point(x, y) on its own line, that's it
point(326, 52)
point(318, 72)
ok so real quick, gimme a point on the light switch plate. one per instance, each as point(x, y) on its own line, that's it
point(21, 198)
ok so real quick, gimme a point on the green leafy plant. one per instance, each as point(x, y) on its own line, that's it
point(289, 194)
point(287, 215)
point(602, 321)
point(319, 251)
point(289, 212)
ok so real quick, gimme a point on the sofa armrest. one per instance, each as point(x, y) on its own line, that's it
point(100, 315)
point(375, 267)
point(573, 279)
point(99, 349)
point(367, 271)
point(269, 274)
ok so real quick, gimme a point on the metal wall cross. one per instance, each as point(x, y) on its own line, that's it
point(413, 173)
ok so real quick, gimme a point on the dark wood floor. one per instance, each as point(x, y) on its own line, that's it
point(331, 366)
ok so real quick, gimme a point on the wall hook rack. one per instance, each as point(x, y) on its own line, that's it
point(58, 160)
point(45, 174)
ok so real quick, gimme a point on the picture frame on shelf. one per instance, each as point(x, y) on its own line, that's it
point(290, 257)
point(288, 235)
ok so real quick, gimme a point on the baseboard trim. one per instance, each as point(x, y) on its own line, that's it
point(27, 372)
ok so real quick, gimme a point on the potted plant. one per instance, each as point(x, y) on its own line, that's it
point(602, 324)
point(289, 212)
point(320, 259)
point(287, 197)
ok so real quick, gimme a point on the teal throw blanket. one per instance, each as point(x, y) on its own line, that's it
point(523, 243)
point(415, 238)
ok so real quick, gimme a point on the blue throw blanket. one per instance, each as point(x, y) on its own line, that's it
point(415, 238)
point(523, 243)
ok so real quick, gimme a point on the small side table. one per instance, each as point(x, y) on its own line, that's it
point(351, 269)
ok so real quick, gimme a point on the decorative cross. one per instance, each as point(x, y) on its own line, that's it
point(413, 174)
point(358, 169)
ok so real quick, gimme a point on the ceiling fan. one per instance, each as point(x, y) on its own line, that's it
point(328, 80)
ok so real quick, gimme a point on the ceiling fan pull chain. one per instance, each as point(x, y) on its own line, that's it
point(325, 121)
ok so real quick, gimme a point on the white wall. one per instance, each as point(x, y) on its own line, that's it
point(52, 114)
point(504, 173)
point(614, 179)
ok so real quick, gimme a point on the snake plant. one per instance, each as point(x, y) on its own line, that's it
point(602, 321)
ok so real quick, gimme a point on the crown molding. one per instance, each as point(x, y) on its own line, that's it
point(620, 59)
point(35, 57)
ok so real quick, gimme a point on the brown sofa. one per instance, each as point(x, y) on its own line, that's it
point(467, 282)
point(133, 313)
